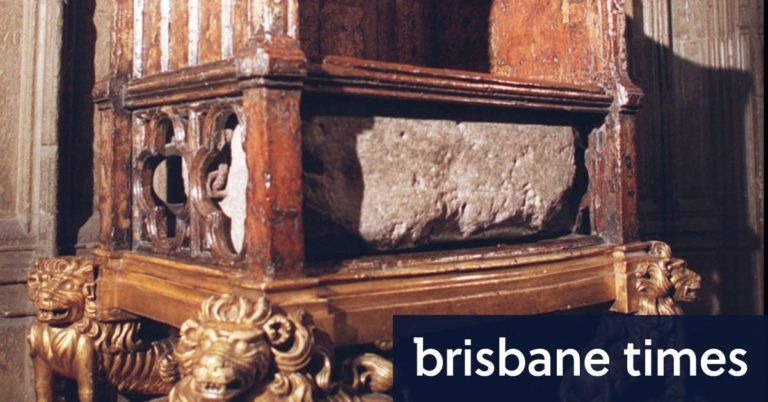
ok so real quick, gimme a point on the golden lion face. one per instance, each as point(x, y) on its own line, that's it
point(687, 284)
point(59, 289)
point(225, 351)
point(224, 361)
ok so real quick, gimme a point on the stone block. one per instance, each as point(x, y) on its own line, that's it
point(399, 183)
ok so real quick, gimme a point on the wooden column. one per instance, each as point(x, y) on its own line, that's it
point(271, 69)
point(271, 74)
point(612, 156)
point(274, 240)
point(114, 139)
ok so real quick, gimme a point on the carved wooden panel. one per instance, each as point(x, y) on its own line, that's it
point(153, 196)
point(189, 180)
point(172, 34)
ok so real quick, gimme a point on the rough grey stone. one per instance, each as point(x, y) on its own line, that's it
point(399, 183)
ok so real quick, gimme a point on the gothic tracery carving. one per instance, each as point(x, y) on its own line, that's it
point(195, 206)
point(159, 166)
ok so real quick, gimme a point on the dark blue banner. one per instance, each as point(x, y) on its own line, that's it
point(573, 358)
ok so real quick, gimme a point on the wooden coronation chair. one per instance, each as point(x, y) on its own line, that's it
point(208, 172)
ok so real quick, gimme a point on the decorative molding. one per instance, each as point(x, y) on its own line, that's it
point(67, 341)
point(662, 281)
point(240, 349)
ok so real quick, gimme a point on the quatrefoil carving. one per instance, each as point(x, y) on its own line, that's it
point(159, 186)
point(190, 179)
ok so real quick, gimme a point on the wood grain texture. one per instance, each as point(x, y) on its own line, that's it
point(151, 41)
point(352, 76)
point(114, 156)
point(274, 236)
point(268, 76)
point(179, 35)
point(210, 31)
point(241, 25)
point(393, 80)
point(355, 305)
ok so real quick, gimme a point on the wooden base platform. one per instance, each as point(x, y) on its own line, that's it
point(356, 303)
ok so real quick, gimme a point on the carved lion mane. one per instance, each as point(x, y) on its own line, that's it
point(239, 349)
point(62, 292)
point(223, 352)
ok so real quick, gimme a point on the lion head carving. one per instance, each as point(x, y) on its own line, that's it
point(225, 351)
point(239, 349)
point(664, 280)
point(686, 282)
point(61, 290)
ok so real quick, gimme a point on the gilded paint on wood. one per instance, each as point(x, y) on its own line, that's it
point(67, 341)
point(238, 348)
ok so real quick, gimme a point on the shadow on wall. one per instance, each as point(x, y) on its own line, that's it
point(76, 129)
point(693, 172)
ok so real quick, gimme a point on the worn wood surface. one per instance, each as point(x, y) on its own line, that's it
point(274, 238)
point(351, 47)
point(700, 133)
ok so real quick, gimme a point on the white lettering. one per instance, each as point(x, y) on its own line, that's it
point(421, 353)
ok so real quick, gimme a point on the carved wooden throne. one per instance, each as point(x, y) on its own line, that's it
point(222, 121)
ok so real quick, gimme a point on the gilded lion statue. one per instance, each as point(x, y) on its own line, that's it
point(224, 352)
point(238, 349)
point(66, 342)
